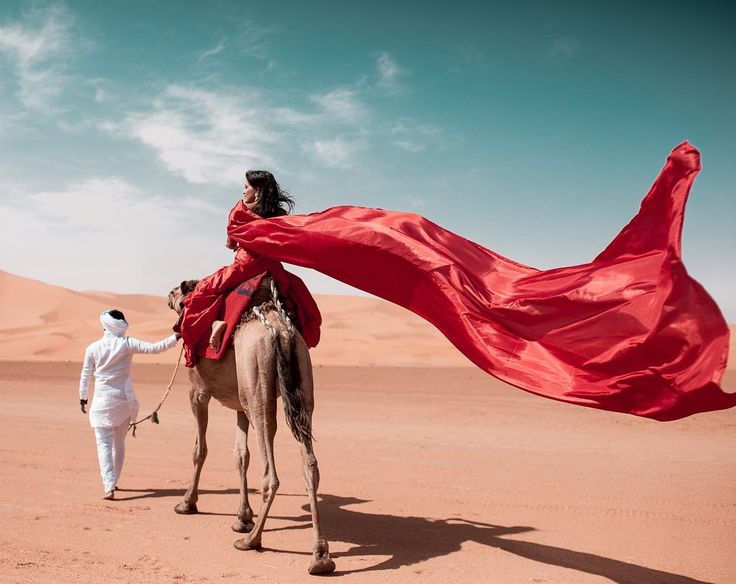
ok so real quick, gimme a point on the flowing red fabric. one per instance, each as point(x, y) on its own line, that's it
point(628, 332)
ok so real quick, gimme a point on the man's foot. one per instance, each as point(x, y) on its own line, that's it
point(218, 329)
point(109, 495)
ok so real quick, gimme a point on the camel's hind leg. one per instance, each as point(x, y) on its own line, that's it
point(264, 423)
point(244, 524)
point(257, 383)
point(321, 561)
point(199, 402)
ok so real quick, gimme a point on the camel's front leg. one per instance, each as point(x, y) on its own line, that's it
point(199, 402)
point(321, 561)
point(244, 524)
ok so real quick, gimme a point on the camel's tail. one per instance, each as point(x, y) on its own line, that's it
point(290, 385)
point(287, 367)
point(290, 379)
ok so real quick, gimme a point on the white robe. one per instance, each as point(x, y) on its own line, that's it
point(109, 358)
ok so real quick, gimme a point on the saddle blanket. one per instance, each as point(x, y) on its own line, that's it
point(236, 304)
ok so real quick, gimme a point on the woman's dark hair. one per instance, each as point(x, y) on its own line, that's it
point(273, 201)
point(116, 314)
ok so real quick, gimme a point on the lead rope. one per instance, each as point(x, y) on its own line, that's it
point(153, 416)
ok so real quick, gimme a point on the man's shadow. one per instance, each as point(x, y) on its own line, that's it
point(155, 493)
point(159, 493)
point(411, 540)
point(123, 495)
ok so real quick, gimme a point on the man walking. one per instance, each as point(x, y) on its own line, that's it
point(114, 404)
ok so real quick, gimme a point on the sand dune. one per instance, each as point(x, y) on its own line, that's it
point(44, 322)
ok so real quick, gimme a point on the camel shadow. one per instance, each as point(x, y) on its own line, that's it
point(411, 540)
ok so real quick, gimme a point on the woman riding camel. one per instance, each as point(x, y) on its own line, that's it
point(201, 325)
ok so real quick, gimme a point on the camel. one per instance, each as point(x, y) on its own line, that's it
point(268, 356)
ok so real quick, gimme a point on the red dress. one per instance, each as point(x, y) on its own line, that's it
point(205, 303)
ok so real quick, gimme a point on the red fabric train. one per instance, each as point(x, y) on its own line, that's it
point(628, 332)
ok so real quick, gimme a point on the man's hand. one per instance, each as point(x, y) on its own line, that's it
point(82, 404)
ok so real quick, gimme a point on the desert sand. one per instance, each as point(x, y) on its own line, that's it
point(432, 471)
point(41, 322)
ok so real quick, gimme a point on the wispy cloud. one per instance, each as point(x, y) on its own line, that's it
point(210, 137)
point(342, 104)
point(469, 56)
point(389, 74)
point(201, 205)
point(203, 136)
point(293, 118)
point(251, 40)
point(409, 145)
point(412, 136)
point(337, 152)
point(115, 236)
point(37, 47)
point(416, 202)
point(218, 48)
point(96, 204)
point(101, 88)
point(565, 46)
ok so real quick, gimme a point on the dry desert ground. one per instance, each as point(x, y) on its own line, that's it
point(432, 471)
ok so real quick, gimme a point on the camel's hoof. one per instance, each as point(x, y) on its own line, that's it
point(245, 545)
point(243, 526)
point(323, 565)
point(186, 508)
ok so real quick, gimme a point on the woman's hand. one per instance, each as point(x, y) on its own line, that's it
point(82, 404)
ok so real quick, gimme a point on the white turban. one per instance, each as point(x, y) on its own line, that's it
point(113, 325)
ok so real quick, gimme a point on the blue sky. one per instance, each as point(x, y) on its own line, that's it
point(533, 129)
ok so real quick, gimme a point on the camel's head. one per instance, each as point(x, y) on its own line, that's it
point(178, 294)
